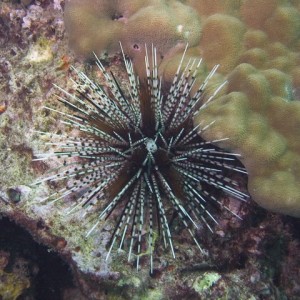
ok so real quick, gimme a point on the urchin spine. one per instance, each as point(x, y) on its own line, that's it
point(140, 153)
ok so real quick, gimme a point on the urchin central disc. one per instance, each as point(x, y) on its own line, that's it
point(151, 145)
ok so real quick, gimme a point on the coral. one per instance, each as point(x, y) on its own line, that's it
point(261, 124)
point(206, 8)
point(84, 21)
point(98, 26)
point(255, 13)
point(284, 25)
point(209, 8)
point(225, 48)
point(259, 112)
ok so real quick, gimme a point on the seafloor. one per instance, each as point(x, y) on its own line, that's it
point(43, 251)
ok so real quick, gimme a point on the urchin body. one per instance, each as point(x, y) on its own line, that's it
point(141, 154)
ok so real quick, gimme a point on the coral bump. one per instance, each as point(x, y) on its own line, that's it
point(139, 160)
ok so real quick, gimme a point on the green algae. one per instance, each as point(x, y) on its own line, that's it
point(40, 52)
point(206, 281)
point(15, 159)
point(12, 285)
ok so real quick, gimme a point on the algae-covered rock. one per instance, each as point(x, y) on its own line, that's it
point(205, 281)
point(12, 285)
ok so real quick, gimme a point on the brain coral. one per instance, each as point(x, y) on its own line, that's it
point(256, 43)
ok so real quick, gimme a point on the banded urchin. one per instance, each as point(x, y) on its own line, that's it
point(139, 153)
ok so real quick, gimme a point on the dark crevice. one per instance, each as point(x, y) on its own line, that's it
point(49, 275)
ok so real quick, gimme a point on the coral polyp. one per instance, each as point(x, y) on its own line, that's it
point(138, 158)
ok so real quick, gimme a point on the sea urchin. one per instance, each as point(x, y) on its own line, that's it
point(140, 155)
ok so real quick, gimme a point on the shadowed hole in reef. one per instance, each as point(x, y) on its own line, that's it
point(294, 223)
point(49, 275)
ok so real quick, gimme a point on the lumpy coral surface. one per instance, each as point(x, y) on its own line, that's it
point(260, 109)
point(98, 26)
point(257, 45)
